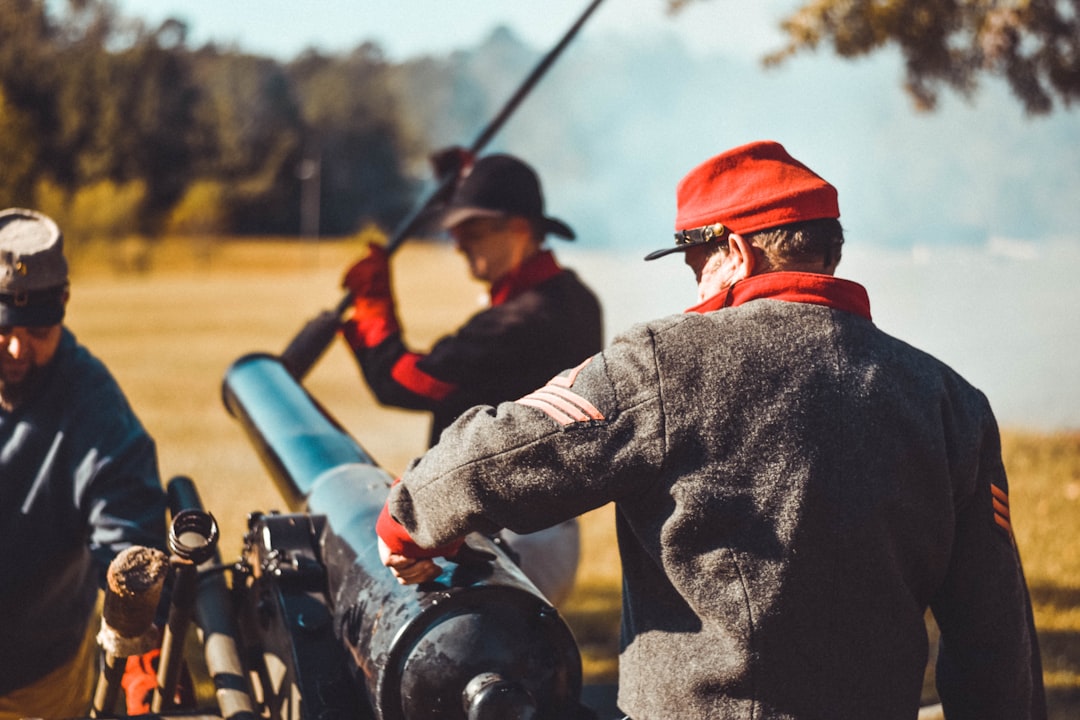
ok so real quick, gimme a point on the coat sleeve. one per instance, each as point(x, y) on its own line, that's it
point(989, 664)
point(117, 479)
point(466, 360)
point(395, 376)
point(589, 436)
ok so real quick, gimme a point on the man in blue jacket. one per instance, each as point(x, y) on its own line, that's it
point(79, 481)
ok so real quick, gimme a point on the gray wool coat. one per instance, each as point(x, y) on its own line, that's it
point(794, 488)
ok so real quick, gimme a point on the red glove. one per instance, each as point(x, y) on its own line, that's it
point(370, 275)
point(140, 681)
point(399, 542)
point(374, 318)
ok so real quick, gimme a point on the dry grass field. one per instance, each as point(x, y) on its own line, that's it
point(170, 323)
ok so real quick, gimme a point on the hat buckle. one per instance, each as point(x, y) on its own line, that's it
point(701, 235)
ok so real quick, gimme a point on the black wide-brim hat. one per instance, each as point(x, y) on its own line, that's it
point(497, 186)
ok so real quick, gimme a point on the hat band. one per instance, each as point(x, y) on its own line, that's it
point(686, 239)
point(701, 235)
point(25, 298)
point(32, 308)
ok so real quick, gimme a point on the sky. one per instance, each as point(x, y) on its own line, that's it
point(997, 304)
point(406, 28)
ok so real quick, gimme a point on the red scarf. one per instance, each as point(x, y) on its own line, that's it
point(535, 270)
point(803, 287)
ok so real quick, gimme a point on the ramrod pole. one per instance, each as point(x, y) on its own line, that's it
point(311, 342)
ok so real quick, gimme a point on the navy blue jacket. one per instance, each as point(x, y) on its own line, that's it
point(79, 483)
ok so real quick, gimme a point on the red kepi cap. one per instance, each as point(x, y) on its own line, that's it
point(752, 187)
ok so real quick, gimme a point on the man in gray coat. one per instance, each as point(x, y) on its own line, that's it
point(794, 487)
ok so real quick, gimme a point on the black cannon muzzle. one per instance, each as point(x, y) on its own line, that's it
point(478, 643)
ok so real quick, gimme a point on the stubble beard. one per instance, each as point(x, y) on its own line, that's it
point(14, 394)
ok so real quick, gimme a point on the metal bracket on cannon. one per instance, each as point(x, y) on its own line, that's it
point(299, 667)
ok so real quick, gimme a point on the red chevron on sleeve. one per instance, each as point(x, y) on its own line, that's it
point(560, 403)
point(1002, 516)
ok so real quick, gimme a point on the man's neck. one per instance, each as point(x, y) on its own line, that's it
point(537, 268)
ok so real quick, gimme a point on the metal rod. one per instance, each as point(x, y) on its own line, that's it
point(214, 620)
point(193, 539)
point(108, 687)
point(311, 342)
point(481, 141)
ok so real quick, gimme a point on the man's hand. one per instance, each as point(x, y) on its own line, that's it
point(369, 277)
point(374, 317)
point(407, 570)
point(410, 563)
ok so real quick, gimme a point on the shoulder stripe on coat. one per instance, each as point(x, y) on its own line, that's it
point(1000, 502)
point(562, 404)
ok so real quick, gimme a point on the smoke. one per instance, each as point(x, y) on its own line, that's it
point(1002, 314)
point(960, 223)
point(614, 125)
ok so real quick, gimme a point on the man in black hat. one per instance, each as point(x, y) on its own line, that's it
point(541, 317)
point(78, 480)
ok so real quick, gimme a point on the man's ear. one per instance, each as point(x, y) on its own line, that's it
point(525, 226)
point(743, 254)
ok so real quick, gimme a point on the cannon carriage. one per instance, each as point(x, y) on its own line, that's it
point(308, 623)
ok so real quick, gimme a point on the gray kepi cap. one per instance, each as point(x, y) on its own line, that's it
point(33, 270)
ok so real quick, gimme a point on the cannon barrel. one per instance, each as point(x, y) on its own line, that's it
point(480, 642)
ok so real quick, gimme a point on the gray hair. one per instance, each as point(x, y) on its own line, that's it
point(812, 245)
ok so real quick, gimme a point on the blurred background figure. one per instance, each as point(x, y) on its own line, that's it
point(541, 319)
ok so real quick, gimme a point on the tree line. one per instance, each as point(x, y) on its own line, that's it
point(1034, 45)
point(116, 128)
